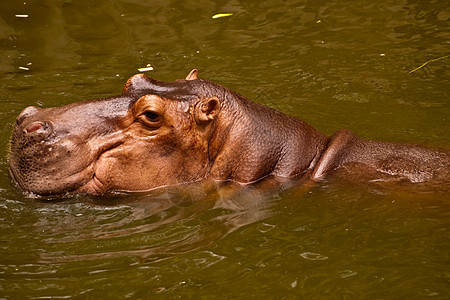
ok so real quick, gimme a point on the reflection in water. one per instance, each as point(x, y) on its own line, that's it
point(154, 225)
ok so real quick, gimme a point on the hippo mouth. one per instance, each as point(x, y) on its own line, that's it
point(98, 173)
point(93, 186)
point(87, 181)
point(75, 183)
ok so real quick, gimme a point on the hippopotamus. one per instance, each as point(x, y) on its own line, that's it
point(158, 134)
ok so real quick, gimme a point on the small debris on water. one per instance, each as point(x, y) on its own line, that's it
point(427, 62)
point(147, 68)
point(264, 227)
point(24, 68)
point(382, 54)
point(21, 16)
point(294, 284)
point(216, 16)
point(347, 273)
point(319, 21)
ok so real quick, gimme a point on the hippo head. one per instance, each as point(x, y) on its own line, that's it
point(154, 134)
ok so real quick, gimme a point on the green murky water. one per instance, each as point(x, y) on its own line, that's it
point(336, 64)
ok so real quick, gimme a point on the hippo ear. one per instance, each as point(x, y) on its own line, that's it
point(206, 110)
point(137, 82)
point(192, 75)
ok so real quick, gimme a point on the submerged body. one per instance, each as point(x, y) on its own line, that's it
point(163, 133)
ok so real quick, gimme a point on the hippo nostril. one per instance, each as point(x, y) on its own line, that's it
point(29, 111)
point(34, 127)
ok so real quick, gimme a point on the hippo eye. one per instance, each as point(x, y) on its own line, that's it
point(150, 119)
point(151, 116)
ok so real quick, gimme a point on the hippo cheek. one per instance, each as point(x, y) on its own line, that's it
point(127, 173)
point(132, 167)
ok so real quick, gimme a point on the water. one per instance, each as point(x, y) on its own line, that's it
point(336, 64)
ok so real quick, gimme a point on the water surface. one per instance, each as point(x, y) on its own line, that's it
point(335, 64)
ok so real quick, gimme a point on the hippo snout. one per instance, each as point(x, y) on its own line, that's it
point(37, 129)
point(57, 150)
point(46, 155)
point(30, 126)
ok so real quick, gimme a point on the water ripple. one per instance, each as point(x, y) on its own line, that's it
point(313, 256)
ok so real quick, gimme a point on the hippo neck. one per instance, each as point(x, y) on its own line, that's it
point(250, 141)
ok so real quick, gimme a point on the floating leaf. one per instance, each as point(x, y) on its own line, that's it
point(216, 16)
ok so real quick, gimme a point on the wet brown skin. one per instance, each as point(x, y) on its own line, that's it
point(164, 133)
